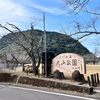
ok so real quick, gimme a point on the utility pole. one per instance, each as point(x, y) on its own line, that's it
point(45, 46)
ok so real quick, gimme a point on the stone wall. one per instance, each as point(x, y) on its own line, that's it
point(7, 77)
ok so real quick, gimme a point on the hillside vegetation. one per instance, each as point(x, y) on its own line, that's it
point(57, 42)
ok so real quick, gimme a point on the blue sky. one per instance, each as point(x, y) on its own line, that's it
point(23, 12)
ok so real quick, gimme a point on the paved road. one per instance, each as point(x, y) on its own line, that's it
point(8, 92)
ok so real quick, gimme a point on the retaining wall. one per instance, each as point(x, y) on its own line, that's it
point(7, 77)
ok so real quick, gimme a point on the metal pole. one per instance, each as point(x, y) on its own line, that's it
point(45, 46)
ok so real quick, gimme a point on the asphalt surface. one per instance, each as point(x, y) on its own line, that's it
point(9, 92)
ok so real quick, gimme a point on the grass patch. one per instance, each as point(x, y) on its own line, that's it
point(92, 69)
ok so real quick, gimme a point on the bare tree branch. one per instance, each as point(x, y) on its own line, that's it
point(86, 28)
point(15, 27)
point(92, 12)
point(76, 5)
point(31, 49)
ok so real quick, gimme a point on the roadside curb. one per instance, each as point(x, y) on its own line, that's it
point(16, 79)
point(97, 91)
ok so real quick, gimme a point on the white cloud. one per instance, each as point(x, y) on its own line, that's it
point(13, 13)
point(21, 13)
point(52, 10)
point(11, 9)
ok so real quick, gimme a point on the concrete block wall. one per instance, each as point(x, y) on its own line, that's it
point(8, 77)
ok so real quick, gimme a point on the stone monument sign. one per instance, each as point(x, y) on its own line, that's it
point(68, 62)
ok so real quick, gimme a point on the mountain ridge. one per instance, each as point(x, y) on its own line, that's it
point(57, 42)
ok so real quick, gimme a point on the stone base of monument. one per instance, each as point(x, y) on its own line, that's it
point(46, 82)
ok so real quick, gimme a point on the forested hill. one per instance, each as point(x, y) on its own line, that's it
point(56, 42)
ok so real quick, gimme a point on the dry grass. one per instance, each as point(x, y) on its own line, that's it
point(92, 69)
